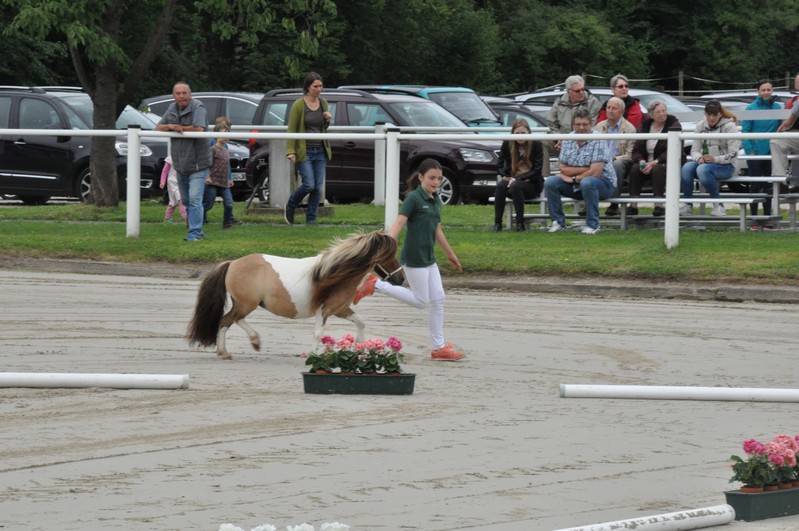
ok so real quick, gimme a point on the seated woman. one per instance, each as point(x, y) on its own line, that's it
point(649, 156)
point(520, 170)
point(712, 160)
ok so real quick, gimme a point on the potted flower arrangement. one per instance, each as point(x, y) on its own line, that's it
point(756, 471)
point(768, 472)
point(348, 367)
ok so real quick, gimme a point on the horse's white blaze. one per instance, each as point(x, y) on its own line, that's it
point(295, 275)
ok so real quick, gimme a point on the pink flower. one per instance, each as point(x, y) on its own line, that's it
point(375, 344)
point(328, 340)
point(787, 441)
point(790, 458)
point(346, 341)
point(751, 446)
point(396, 345)
point(776, 459)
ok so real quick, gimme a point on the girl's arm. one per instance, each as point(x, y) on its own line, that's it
point(398, 225)
point(165, 173)
point(452, 258)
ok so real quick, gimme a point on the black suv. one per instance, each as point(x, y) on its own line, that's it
point(470, 167)
point(35, 168)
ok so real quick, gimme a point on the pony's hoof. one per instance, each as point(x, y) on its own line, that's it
point(224, 355)
point(256, 344)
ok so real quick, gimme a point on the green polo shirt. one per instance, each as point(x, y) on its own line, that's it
point(424, 215)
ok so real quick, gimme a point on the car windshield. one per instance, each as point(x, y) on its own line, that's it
point(423, 114)
point(465, 105)
point(83, 106)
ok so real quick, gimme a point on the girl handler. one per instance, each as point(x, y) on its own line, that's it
point(421, 211)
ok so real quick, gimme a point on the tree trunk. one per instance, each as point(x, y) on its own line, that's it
point(105, 184)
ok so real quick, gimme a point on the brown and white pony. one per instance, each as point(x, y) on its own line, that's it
point(297, 288)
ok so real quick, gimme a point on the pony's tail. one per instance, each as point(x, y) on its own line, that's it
point(211, 298)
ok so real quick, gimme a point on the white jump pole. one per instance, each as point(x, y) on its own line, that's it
point(115, 381)
point(679, 521)
point(657, 392)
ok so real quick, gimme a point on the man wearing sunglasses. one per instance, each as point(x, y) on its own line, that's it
point(559, 119)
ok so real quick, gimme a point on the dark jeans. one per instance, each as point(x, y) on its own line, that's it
point(658, 176)
point(312, 173)
point(519, 191)
point(760, 168)
point(211, 193)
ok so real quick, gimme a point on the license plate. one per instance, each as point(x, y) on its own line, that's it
point(239, 176)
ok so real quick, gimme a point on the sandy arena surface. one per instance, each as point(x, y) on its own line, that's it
point(486, 443)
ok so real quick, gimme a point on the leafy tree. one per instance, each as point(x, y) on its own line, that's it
point(112, 43)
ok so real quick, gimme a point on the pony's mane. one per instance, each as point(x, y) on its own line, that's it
point(346, 258)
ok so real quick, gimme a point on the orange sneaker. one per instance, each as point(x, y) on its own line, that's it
point(366, 289)
point(447, 353)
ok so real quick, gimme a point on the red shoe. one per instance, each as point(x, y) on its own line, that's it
point(366, 289)
point(447, 353)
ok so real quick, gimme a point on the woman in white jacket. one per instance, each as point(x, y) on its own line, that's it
point(713, 159)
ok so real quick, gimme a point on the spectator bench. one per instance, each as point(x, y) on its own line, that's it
point(742, 219)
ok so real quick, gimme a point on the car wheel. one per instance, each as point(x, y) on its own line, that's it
point(449, 191)
point(9, 197)
point(33, 200)
point(83, 188)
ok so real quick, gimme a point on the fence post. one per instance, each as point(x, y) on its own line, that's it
point(133, 186)
point(392, 174)
point(380, 166)
point(281, 178)
point(673, 165)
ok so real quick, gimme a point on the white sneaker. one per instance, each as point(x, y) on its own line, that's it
point(685, 209)
point(589, 230)
point(555, 227)
point(718, 210)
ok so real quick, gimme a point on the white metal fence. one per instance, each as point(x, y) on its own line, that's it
point(387, 178)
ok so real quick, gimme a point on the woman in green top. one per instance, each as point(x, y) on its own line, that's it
point(421, 212)
point(308, 114)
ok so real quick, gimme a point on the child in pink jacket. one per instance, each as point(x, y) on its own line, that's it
point(169, 178)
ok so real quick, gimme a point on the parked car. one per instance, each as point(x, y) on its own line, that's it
point(35, 168)
point(238, 106)
point(645, 96)
point(470, 167)
point(747, 96)
point(460, 101)
point(509, 110)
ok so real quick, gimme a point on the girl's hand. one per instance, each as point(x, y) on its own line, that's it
point(453, 260)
